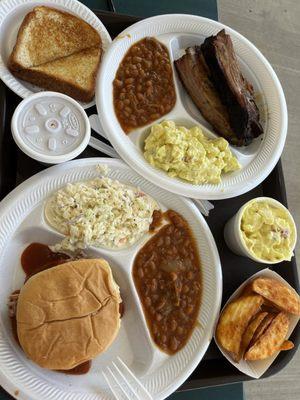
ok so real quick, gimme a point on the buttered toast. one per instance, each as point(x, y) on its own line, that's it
point(74, 75)
point(57, 51)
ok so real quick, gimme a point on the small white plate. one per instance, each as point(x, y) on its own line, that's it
point(177, 32)
point(22, 222)
point(12, 13)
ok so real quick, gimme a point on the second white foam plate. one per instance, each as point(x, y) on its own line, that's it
point(22, 222)
point(177, 32)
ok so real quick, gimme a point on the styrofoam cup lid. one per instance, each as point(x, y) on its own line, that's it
point(50, 127)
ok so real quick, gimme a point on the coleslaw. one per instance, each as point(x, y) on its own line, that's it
point(100, 212)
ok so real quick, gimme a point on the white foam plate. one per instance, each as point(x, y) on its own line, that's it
point(177, 32)
point(12, 13)
point(22, 222)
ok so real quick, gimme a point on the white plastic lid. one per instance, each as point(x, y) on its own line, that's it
point(50, 127)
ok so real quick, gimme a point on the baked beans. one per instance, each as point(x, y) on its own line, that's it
point(143, 89)
point(167, 277)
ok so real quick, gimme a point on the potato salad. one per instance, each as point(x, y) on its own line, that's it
point(188, 154)
point(268, 231)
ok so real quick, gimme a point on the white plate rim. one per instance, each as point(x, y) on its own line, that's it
point(73, 6)
point(273, 146)
point(15, 197)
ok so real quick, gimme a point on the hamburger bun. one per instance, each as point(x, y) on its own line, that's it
point(68, 314)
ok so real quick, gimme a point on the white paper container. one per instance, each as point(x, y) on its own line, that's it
point(177, 32)
point(22, 222)
point(233, 236)
point(12, 13)
point(50, 127)
point(256, 369)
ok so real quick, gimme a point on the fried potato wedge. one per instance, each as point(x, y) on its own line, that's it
point(247, 291)
point(271, 340)
point(234, 321)
point(287, 345)
point(269, 307)
point(262, 327)
point(250, 331)
point(278, 294)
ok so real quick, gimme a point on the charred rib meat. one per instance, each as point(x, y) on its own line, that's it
point(193, 73)
point(211, 75)
point(235, 92)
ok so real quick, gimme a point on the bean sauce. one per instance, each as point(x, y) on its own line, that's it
point(143, 89)
point(157, 218)
point(167, 277)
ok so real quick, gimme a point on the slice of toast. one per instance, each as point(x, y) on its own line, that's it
point(47, 34)
point(74, 75)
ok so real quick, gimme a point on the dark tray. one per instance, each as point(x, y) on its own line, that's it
point(214, 369)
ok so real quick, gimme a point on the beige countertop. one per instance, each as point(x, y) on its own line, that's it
point(274, 27)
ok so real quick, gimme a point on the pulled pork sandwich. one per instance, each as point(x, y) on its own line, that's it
point(68, 314)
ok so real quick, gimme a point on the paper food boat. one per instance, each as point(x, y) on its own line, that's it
point(256, 369)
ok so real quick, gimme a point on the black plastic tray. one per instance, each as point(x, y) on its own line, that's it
point(214, 369)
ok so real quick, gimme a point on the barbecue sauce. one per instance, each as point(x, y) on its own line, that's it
point(157, 219)
point(37, 257)
point(79, 369)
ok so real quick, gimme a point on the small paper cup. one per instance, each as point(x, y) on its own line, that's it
point(233, 235)
point(256, 369)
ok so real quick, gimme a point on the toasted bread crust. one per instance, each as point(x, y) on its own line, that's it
point(12, 63)
point(47, 82)
point(67, 86)
point(80, 33)
point(50, 82)
point(84, 39)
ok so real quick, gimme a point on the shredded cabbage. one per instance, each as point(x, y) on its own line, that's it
point(99, 212)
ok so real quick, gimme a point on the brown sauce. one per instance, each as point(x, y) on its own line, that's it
point(157, 218)
point(143, 89)
point(121, 309)
point(14, 329)
point(79, 369)
point(37, 257)
point(167, 276)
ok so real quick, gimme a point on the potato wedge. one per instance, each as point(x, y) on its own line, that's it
point(277, 293)
point(250, 331)
point(234, 321)
point(286, 345)
point(247, 291)
point(269, 307)
point(262, 327)
point(271, 340)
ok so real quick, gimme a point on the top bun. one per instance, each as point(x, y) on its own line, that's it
point(68, 314)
